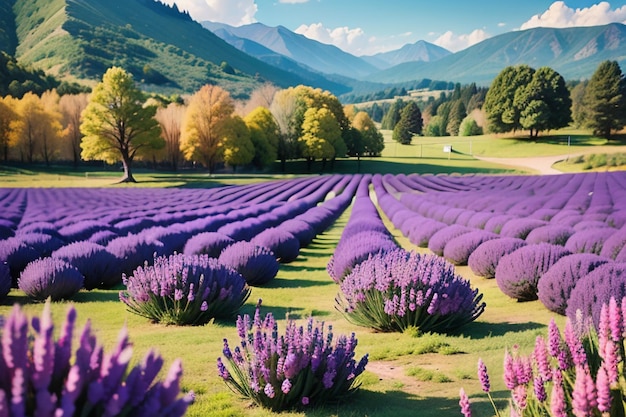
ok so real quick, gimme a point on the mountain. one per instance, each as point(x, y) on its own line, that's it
point(574, 52)
point(162, 47)
point(327, 59)
point(418, 51)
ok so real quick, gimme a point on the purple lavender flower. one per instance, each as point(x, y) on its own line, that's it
point(50, 277)
point(464, 404)
point(558, 404)
point(584, 395)
point(483, 376)
point(256, 264)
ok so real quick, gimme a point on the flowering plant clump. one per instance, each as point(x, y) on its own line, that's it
point(50, 277)
point(257, 264)
point(397, 290)
point(302, 368)
point(579, 373)
point(184, 289)
point(42, 377)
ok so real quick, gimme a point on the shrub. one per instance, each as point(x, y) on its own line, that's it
point(283, 244)
point(556, 285)
point(355, 249)
point(398, 290)
point(43, 243)
point(484, 260)
point(40, 377)
point(301, 231)
point(595, 288)
point(83, 230)
point(17, 255)
point(420, 230)
point(256, 264)
point(208, 243)
point(521, 227)
point(300, 369)
point(439, 240)
point(518, 273)
point(551, 233)
point(459, 249)
point(184, 289)
point(614, 244)
point(134, 250)
point(50, 277)
point(98, 265)
point(589, 240)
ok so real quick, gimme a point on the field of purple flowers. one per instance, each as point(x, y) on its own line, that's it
point(184, 257)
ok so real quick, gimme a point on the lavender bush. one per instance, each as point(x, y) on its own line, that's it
point(302, 368)
point(98, 265)
point(17, 255)
point(283, 244)
point(209, 243)
point(5, 280)
point(184, 290)
point(256, 264)
point(397, 290)
point(518, 273)
point(459, 249)
point(596, 288)
point(43, 377)
point(556, 285)
point(439, 240)
point(50, 277)
point(589, 240)
point(551, 233)
point(614, 244)
point(579, 373)
point(521, 227)
point(484, 259)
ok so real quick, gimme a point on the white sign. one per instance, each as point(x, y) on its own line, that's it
point(447, 148)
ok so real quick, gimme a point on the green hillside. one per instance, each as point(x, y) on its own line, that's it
point(163, 48)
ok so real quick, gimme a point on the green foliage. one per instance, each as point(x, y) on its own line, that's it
point(17, 80)
point(8, 35)
point(469, 127)
point(605, 99)
point(236, 146)
point(409, 125)
point(502, 115)
point(423, 374)
point(321, 135)
point(436, 126)
point(456, 116)
point(116, 124)
point(264, 134)
point(391, 118)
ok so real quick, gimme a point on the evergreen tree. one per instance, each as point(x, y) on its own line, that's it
point(605, 99)
point(456, 116)
point(409, 125)
point(392, 117)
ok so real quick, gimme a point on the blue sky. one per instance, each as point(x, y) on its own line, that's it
point(365, 27)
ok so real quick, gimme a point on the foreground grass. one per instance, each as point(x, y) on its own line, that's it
point(408, 372)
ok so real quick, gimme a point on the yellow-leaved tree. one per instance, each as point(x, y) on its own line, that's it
point(206, 120)
point(117, 125)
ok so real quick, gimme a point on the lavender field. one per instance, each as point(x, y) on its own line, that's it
point(557, 239)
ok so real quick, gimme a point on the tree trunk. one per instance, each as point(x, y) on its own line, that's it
point(128, 174)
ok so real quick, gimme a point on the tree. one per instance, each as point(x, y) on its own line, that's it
point(502, 115)
point(373, 140)
point(469, 127)
point(72, 106)
point(170, 119)
point(409, 125)
point(320, 131)
point(116, 124)
point(51, 131)
point(37, 130)
point(579, 113)
point(236, 146)
point(203, 129)
point(391, 118)
point(284, 106)
point(605, 99)
point(456, 116)
point(262, 96)
point(264, 134)
point(544, 103)
point(8, 119)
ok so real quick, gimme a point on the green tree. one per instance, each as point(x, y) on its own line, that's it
point(579, 113)
point(116, 125)
point(237, 148)
point(469, 127)
point(544, 103)
point(283, 108)
point(203, 128)
point(456, 116)
point(409, 125)
point(373, 140)
point(436, 126)
point(605, 99)
point(264, 134)
point(502, 115)
point(392, 117)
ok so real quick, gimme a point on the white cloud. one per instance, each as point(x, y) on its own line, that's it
point(293, 1)
point(232, 12)
point(559, 15)
point(350, 40)
point(453, 42)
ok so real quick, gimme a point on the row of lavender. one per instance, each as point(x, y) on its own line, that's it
point(560, 239)
point(91, 237)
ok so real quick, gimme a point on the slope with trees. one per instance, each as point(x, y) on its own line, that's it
point(604, 100)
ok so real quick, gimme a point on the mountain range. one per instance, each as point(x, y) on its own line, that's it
point(169, 52)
